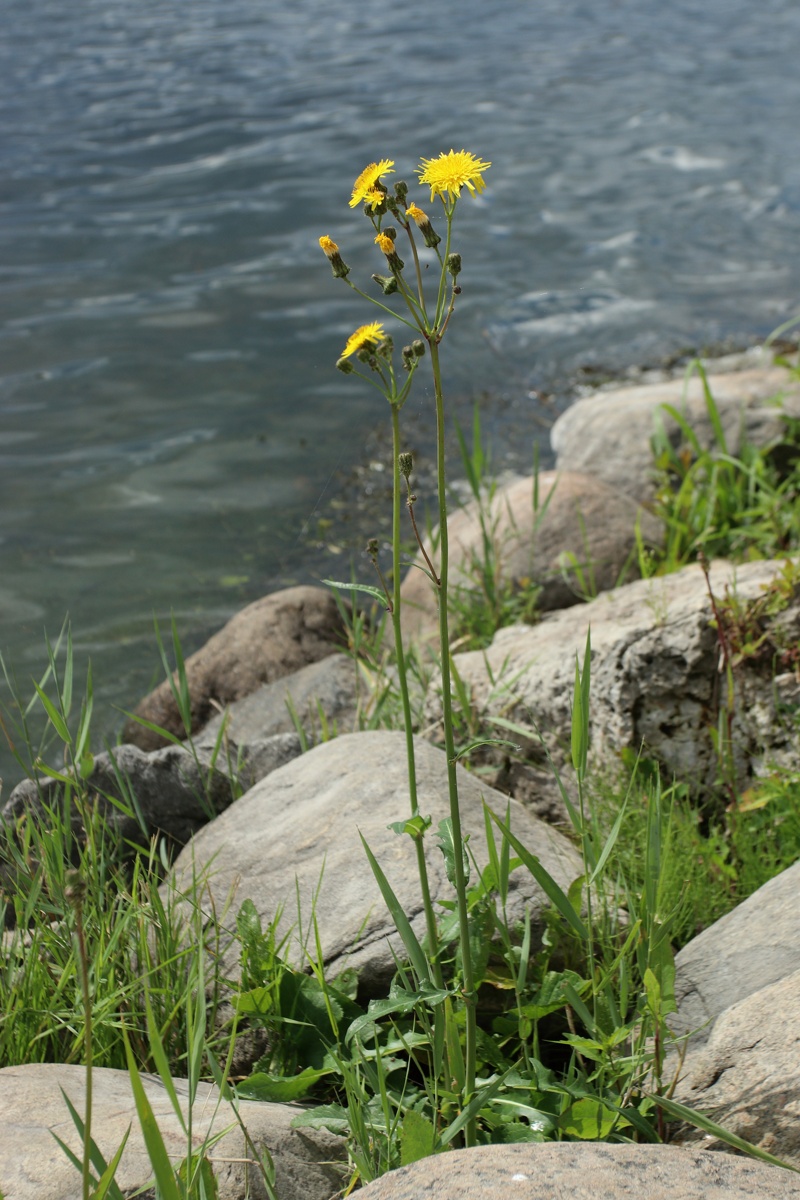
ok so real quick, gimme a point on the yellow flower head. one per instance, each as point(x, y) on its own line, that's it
point(364, 188)
point(416, 214)
point(385, 242)
point(365, 335)
point(329, 246)
point(452, 171)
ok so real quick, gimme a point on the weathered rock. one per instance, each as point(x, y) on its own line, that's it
point(608, 434)
point(270, 638)
point(322, 693)
point(655, 675)
point(34, 1167)
point(581, 520)
point(173, 795)
point(747, 1075)
point(584, 1171)
point(303, 823)
point(752, 947)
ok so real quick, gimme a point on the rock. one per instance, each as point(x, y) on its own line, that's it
point(584, 1171)
point(578, 515)
point(303, 823)
point(270, 638)
point(655, 675)
point(608, 434)
point(259, 729)
point(34, 1167)
point(746, 1076)
point(173, 794)
point(752, 947)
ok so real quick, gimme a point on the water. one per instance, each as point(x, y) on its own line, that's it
point(170, 420)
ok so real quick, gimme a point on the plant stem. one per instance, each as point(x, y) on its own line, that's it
point(460, 881)
point(430, 916)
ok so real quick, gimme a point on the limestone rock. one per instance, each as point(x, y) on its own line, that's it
point(752, 947)
point(303, 823)
point(608, 434)
point(584, 1171)
point(655, 674)
point(34, 1167)
point(173, 794)
point(270, 638)
point(747, 1075)
point(585, 518)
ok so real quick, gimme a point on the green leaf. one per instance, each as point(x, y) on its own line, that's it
point(197, 1174)
point(471, 1110)
point(376, 593)
point(107, 1184)
point(415, 827)
point(446, 844)
point(278, 1088)
point(56, 720)
point(483, 742)
point(545, 881)
point(588, 1120)
point(413, 949)
point(154, 1142)
point(417, 1138)
point(402, 1003)
point(332, 1117)
point(679, 1112)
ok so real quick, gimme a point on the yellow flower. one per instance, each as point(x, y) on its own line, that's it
point(365, 335)
point(416, 214)
point(364, 187)
point(331, 251)
point(329, 246)
point(452, 171)
point(385, 242)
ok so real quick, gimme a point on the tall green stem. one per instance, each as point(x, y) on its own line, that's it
point(449, 743)
point(430, 917)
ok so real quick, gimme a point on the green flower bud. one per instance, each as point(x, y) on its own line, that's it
point(405, 462)
point(418, 347)
point(345, 366)
point(387, 283)
point(454, 264)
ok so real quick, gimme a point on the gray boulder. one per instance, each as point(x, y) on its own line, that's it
point(584, 1171)
point(257, 734)
point(166, 791)
point(608, 434)
point(270, 638)
point(309, 1165)
point(580, 520)
point(751, 948)
point(656, 676)
point(297, 834)
point(746, 1076)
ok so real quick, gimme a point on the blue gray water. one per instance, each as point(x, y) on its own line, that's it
point(170, 418)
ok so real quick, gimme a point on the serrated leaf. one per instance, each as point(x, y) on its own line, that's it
point(332, 1117)
point(588, 1120)
point(278, 1088)
point(415, 827)
point(417, 1138)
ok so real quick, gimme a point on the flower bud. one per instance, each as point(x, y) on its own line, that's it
point(372, 548)
point(401, 191)
point(409, 358)
point(422, 221)
point(386, 242)
point(405, 462)
point(331, 250)
point(418, 347)
point(454, 264)
point(345, 366)
point(387, 283)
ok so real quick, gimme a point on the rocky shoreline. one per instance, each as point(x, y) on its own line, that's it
point(656, 681)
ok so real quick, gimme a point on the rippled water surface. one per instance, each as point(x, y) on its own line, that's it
point(170, 418)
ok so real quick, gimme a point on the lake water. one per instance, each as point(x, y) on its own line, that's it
point(171, 422)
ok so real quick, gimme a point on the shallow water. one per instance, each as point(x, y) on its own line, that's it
point(171, 422)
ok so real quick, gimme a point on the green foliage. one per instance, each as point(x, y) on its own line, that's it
point(722, 505)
